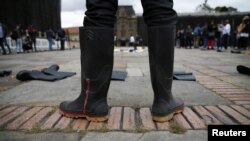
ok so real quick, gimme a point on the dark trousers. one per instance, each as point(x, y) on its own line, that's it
point(102, 13)
point(2, 46)
point(225, 39)
point(34, 43)
point(6, 44)
point(242, 43)
point(62, 44)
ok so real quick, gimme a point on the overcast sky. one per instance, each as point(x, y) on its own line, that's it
point(73, 10)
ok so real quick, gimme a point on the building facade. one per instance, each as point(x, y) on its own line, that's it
point(126, 25)
point(42, 14)
point(72, 34)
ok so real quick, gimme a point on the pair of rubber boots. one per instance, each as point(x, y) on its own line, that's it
point(97, 52)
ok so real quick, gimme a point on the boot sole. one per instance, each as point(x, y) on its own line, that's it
point(89, 118)
point(167, 117)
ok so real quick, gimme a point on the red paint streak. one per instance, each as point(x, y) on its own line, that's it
point(87, 95)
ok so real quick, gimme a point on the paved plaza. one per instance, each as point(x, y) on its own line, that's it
point(220, 95)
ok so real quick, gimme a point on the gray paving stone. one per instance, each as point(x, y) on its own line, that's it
point(191, 135)
point(136, 91)
point(134, 72)
point(21, 136)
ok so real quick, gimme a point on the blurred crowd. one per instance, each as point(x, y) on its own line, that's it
point(214, 35)
point(24, 40)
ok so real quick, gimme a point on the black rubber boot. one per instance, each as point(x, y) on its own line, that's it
point(161, 58)
point(97, 54)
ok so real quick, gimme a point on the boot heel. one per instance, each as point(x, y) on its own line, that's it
point(97, 119)
point(89, 118)
point(167, 117)
point(179, 111)
point(71, 114)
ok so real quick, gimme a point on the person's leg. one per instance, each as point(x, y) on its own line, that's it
point(50, 43)
point(97, 48)
point(100, 13)
point(135, 46)
point(2, 46)
point(6, 44)
point(209, 43)
point(159, 13)
point(240, 43)
point(17, 50)
point(196, 41)
point(205, 42)
point(19, 45)
point(62, 44)
point(244, 43)
point(161, 21)
point(190, 42)
point(225, 41)
point(218, 43)
point(34, 44)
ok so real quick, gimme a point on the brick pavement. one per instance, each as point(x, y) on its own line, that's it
point(24, 118)
point(227, 90)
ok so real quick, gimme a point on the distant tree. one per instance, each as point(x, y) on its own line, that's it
point(204, 7)
point(220, 9)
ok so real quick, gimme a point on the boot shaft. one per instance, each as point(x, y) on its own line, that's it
point(97, 55)
point(161, 59)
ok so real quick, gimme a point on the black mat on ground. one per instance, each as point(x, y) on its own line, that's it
point(5, 73)
point(119, 75)
point(185, 76)
point(51, 73)
point(243, 69)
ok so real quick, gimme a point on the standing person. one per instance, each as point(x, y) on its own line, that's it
point(189, 36)
point(97, 56)
point(177, 38)
point(33, 33)
point(244, 31)
point(50, 35)
point(17, 37)
point(2, 34)
point(132, 41)
point(62, 37)
point(204, 36)
point(137, 40)
point(115, 40)
point(5, 40)
point(218, 36)
point(197, 32)
point(211, 35)
point(226, 34)
point(5, 33)
point(182, 36)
